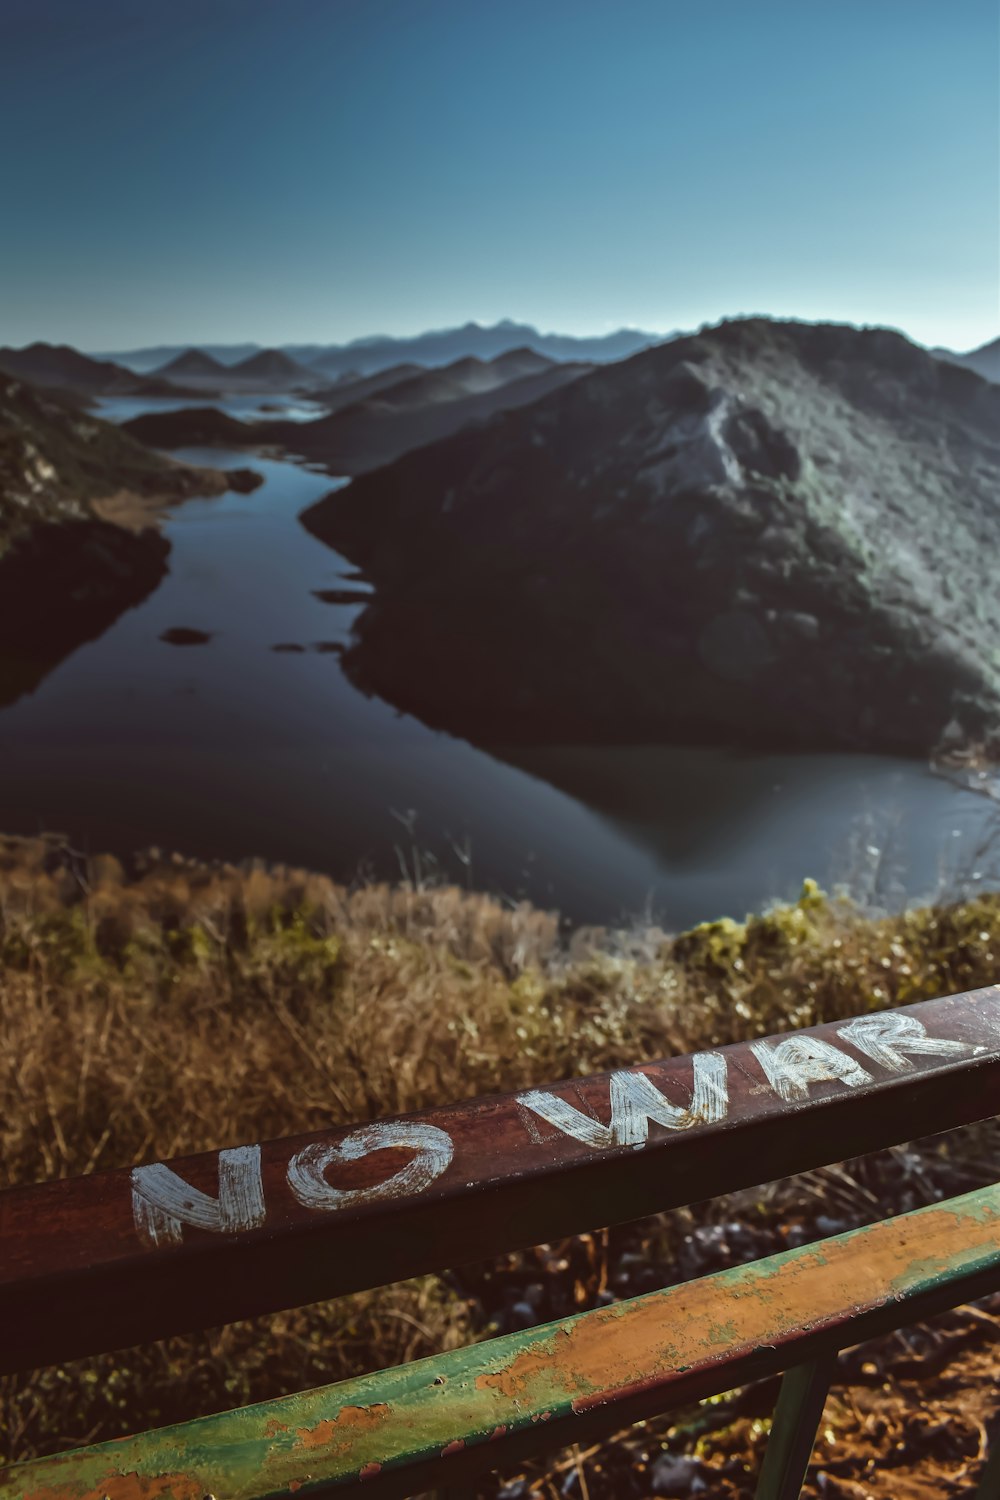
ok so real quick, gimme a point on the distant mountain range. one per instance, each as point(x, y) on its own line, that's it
point(424, 408)
point(266, 371)
point(439, 347)
point(347, 391)
point(365, 356)
point(765, 534)
point(60, 367)
point(192, 364)
point(373, 420)
point(369, 356)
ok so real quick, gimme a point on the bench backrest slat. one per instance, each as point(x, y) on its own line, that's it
point(97, 1263)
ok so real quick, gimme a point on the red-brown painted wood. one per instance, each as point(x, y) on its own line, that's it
point(77, 1277)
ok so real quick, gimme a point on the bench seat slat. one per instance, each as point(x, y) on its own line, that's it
point(440, 1419)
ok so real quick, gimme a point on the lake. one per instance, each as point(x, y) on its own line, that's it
point(233, 749)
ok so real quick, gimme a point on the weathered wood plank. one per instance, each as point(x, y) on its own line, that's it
point(438, 1420)
point(96, 1263)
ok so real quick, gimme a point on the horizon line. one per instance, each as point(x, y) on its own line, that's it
point(624, 328)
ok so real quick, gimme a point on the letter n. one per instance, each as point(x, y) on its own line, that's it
point(162, 1202)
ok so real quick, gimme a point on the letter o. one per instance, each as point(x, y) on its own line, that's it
point(307, 1170)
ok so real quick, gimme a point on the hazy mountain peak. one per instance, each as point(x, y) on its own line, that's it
point(366, 356)
point(269, 362)
point(59, 365)
point(192, 364)
point(444, 346)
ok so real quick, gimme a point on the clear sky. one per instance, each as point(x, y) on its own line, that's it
point(317, 170)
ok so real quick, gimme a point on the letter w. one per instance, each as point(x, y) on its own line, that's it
point(162, 1202)
point(634, 1102)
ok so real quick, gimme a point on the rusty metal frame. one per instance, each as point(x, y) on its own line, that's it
point(989, 1481)
point(441, 1420)
point(797, 1415)
point(79, 1275)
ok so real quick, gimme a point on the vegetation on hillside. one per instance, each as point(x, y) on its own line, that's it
point(79, 544)
point(193, 1006)
point(55, 460)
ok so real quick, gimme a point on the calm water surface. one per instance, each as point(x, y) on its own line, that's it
point(232, 749)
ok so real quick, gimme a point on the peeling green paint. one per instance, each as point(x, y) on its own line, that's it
point(361, 1431)
point(721, 1333)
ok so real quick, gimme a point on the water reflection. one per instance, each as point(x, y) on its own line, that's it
point(733, 831)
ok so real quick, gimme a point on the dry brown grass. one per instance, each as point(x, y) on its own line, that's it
point(186, 1007)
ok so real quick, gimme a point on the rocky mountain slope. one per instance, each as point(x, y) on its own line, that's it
point(768, 533)
point(67, 570)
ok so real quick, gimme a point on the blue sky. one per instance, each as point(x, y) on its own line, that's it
point(318, 170)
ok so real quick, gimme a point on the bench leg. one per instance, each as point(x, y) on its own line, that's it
point(793, 1432)
point(989, 1483)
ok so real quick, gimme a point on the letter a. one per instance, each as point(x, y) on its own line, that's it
point(791, 1065)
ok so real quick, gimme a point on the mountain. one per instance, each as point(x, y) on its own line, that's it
point(447, 345)
point(194, 427)
point(441, 347)
point(517, 363)
point(352, 388)
point(765, 534)
point(267, 370)
point(60, 367)
point(415, 413)
point(466, 377)
point(194, 367)
point(985, 360)
point(271, 369)
point(143, 361)
point(78, 542)
point(407, 414)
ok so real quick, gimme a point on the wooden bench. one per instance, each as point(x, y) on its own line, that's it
point(97, 1263)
